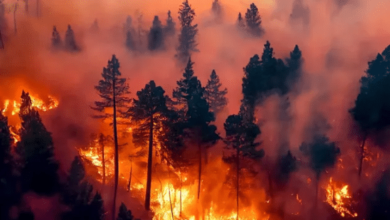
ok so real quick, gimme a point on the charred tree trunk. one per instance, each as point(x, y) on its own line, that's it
point(362, 154)
point(238, 179)
point(116, 162)
point(101, 142)
point(150, 156)
point(131, 173)
point(1, 41)
point(200, 169)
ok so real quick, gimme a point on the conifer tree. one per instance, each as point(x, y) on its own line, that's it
point(188, 32)
point(286, 165)
point(130, 44)
point(114, 92)
point(294, 63)
point(322, 154)
point(240, 22)
point(124, 213)
point(240, 139)
point(253, 21)
point(130, 34)
point(75, 177)
point(95, 26)
point(8, 196)
point(156, 35)
point(217, 10)
point(148, 111)
point(215, 96)
point(70, 41)
point(170, 28)
point(56, 42)
point(39, 167)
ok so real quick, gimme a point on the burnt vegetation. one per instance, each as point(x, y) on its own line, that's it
point(170, 150)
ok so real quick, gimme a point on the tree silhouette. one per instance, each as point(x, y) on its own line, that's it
point(124, 213)
point(170, 29)
point(113, 91)
point(39, 167)
point(70, 41)
point(253, 21)
point(148, 111)
point(372, 106)
point(240, 22)
point(240, 139)
point(156, 35)
point(294, 63)
point(217, 10)
point(56, 42)
point(322, 154)
point(187, 42)
point(215, 96)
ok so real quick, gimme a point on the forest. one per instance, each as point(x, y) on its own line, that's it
point(194, 110)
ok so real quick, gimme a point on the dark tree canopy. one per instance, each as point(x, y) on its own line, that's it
point(253, 21)
point(321, 152)
point(70, 40)
point(372, 106)
point(378, 201)
point(214, 94)
point(156, 35)
point(217, 10)
point(39, 169)
point(124, 213)
point(74, 180)
point(170, 28)
point(294, 63)
point(56, 42)
point(188, 32)
point(286, 165)
point(240, 22)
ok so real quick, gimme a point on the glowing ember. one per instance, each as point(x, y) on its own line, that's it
point(95, 157)
point(339, 198)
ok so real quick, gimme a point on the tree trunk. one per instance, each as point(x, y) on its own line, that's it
point(362, 154)
point(200, 169)
point(238, 178)
point(131, 173)
point(26, 6)
point(15, 9)
point(101, 142)
point(116, 162)
point(150, 156)
point(1, 41)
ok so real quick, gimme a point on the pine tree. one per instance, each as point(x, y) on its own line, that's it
point(114, 91)
point(130, 41)
point(156, 35)
point(95, 26)
point(240, 22)
point(217, 10)
point(124, 214)
point(184, 88)
point(96, 207)
point(214, 95)
point(286, 165)
point(322, 154)
point(39, 167)
point(75, 177)
point(170, 28)
point(148, 111)
point(187, 42)
point(70, 41)
point(294, 63)
point(253, 21)
point(240, 139)
point(372, 105)
point(8, 195)
point(56, 42)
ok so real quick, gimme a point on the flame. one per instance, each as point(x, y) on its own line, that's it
point(338, 198)
point(37, 103)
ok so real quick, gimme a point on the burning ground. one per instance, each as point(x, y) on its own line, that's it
point(305, 148)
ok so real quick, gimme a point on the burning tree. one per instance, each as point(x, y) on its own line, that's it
point(170, 29)
point(372, 104)
point(322, 154)
point(187, 43)
point(253, 21)
point(148, 111)
point(240, 137)
point(216, 97)
point(156, 35)
point(114, 91)
point(8, 196)
point(39, 167)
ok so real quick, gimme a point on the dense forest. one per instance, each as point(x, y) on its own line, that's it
point(194, 110)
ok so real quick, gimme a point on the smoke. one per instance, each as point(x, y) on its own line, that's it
point(335, 46)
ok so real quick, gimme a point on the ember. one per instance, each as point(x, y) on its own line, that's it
point(339, 198)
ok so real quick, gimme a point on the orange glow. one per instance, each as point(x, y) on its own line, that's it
point(338, 197)
point(41, 105)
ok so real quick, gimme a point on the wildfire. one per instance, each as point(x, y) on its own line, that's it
point(338, 198)
point(51, 103)
point(95, 158)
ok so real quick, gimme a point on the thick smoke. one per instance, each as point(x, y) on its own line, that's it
point(335, 46)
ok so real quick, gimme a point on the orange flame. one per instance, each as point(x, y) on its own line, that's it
point(338, 198)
